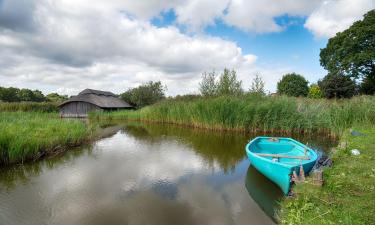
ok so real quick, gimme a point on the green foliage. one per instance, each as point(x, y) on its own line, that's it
point(337, 86)
point(12, 94)
point(54, 97)
point(146, 94)
point(315, 92)
point(226, 85)
point(257, 85)
point(28, 106)
point(256, 113)
point(347, 196)
point(368, 86)
point(352, 52)
point(293, 85)
point(207, 86)
point(26, 136)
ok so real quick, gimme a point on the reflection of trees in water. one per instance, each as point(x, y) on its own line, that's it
point(20, 174)
point(225, 148)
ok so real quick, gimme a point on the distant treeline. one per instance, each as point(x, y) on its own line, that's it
point(12, 94)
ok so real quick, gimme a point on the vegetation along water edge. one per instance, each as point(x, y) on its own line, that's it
point(31, 135)
point(347, 196)
point(254, 112)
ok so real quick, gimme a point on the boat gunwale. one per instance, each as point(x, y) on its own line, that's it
point(313, 158)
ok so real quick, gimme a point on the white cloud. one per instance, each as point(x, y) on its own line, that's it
point(69, 45)
point(259, 16)
point(335, 16)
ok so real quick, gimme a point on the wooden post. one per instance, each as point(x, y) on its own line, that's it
point(301, 173)
point(317, 177)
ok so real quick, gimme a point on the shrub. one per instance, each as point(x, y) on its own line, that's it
point(315, 92)
point(337, 86)
point(293, 85)
point(146, 94)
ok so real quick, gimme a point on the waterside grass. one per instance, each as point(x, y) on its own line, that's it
point(255, 113)
point(30, 135)
point(28, 106)
point(347, 196)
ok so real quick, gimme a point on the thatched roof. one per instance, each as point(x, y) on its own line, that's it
point(103, 99)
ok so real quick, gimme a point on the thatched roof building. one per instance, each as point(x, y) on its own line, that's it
point(91, 100)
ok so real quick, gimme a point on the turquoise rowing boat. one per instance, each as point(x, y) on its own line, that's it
point(277, 158)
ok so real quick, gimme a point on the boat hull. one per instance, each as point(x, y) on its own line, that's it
point(279, 173)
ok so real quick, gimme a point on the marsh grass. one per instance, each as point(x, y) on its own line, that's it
point(256, 113)
point(30, 135)
point(28, 106)
point(347, 196)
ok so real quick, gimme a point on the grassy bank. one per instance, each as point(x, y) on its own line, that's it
point(256, 113)
point(28, 106)
point(347, 196)
point(30, 135)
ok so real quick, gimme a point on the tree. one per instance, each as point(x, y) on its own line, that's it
point(228, 84)
point(25, 95)
point(293, 84)
point(9, 94)
point(352, 52)
point(337, 86)
point(54, 97)
point(145, 94)
point(315, 92)
point(257, 85)
point(38, 96)
point(207, 86)
point(368, 86)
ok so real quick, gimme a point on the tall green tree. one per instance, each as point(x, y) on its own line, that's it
point(207, 86)
point(293, 84)
point(9, 94)
point(352, 52)
point(337, 86)
point(257, 85)
point(228, 83)
point(146, 94)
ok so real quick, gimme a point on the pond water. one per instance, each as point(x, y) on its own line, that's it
point(144, 174)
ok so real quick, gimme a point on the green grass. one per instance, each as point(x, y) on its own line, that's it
point(28, 106)
point(348, 194)
point(30, 135)
point(256, 113)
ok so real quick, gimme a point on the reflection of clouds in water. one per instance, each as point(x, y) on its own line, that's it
point(127, 181)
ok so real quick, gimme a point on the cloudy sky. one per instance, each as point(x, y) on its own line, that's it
point(67, 45)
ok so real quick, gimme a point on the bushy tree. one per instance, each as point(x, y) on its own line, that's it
point(315, 92)
point(228, 83)
point(9, 94)
point(293, 84)
point(257, 85)
point(337, 86)
point(54, 97)
point(352, 52)
point(207, 86)
point(368, 86)
point(146, 94)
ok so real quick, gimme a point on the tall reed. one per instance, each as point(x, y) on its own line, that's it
point(28, 106)
point(256, 113)
point(29, 135)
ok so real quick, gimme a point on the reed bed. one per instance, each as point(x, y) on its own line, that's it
point(30, 135)
point(256, 113)
point(28, 106)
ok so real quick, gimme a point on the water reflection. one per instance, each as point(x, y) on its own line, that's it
point(141, 174)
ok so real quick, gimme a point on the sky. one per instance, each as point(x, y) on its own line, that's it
point(66, 46)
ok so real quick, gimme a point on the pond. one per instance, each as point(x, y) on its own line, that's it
point(145, 174)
